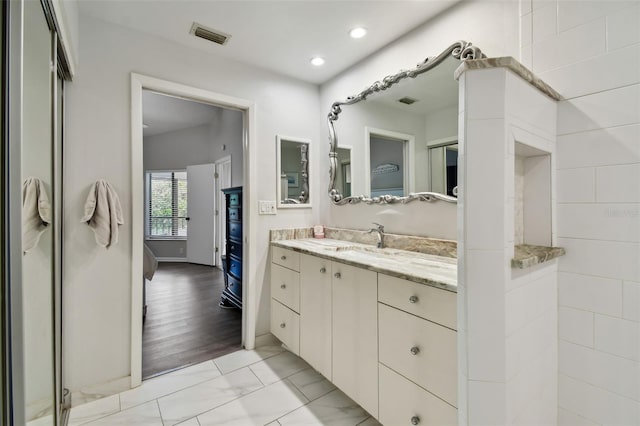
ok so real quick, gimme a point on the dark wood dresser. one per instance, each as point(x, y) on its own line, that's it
point(232, 262)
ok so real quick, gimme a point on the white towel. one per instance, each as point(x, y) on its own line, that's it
point(103, 213)
point(36, 212)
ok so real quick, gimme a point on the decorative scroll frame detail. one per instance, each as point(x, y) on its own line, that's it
point(460, 50)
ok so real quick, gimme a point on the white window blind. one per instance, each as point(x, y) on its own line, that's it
point(167, 204)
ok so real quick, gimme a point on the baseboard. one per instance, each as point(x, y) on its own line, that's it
point(103, 390)
point(266, 340)
point(171, 259)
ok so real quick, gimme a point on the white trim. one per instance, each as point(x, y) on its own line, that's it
point(138, 82)
point(442, 141)
point(171, 259)
point(409, 148)
point(279, 139)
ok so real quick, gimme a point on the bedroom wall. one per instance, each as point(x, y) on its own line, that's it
point(195, 145)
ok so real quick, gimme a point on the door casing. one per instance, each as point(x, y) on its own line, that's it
point(250, 198)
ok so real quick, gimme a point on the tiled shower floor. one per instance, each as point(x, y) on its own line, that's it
point(267, 386)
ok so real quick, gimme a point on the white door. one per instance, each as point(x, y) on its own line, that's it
point(201, 214)
point(223, 181)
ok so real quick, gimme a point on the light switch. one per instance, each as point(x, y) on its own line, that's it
point(266, 207)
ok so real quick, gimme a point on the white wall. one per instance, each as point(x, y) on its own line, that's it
point(97, 282)
point(590, 52)
point(179, 149)
point(493, 26)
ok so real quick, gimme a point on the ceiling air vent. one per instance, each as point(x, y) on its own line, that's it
point(210, 34)
point(407, 100)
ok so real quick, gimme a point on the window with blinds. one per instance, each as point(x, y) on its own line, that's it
point(166, 204)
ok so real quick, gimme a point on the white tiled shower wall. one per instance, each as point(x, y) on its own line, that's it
point(590, 52)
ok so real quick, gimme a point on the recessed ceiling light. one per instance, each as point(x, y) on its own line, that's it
point(317, 61)
point(358, 32)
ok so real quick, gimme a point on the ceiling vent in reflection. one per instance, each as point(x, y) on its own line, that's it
point(209, 34)
point(407, 100)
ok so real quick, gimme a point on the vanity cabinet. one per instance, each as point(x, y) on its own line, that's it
point(388, 343)
point(285, 297)
point(315, 312)
point(355, 334)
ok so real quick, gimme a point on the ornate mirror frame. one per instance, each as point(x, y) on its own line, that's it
point(460, 50)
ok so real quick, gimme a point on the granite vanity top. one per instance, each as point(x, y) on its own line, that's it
point(511, 64)
point(435, 271)
point(527, 255)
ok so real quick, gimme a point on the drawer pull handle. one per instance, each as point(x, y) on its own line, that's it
point(283, 286)
point(414, 350)
point(233, 247)
point(323, 270)
point(283, 325)
point(337, 275)
point(283, 257)
point(415, 420)
point(413, 299)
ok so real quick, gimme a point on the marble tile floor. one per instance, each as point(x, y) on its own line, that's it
point(266, 386)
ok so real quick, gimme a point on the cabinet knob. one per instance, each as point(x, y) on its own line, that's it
point(283, 257)
point(323, 270)
point(282, 325)
point(414, 350)
point(233, 247)
point(337, 275)
point(415, 420)
point(413, 299)
point(283, 286)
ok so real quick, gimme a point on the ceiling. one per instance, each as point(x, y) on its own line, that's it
point(281, 36)
point(162, 113)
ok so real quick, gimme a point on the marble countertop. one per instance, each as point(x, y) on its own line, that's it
point(436, 271)
point(511, 64)
point(527, 255)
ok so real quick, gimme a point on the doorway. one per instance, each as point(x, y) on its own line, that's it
point(388, 164)
point(165, 220)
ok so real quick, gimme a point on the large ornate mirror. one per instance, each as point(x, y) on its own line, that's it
point(405, 133)
point(293, 172)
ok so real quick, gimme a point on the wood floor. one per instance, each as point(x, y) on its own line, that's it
point(184, 323)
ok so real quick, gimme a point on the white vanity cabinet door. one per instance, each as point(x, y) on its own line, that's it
point(285, 325)
point(355, 334)
point(315, 313)
point(404, 403)
point(285, 286)
point(420, 350)
point(285, 257)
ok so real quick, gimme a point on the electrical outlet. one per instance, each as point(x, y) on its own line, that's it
point(266, 207)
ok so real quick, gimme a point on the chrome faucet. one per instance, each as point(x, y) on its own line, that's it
point(380, 231)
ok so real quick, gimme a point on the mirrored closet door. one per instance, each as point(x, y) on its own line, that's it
point(33, 191)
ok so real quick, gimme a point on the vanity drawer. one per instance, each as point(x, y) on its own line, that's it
point(420, 350)
point(285, 325)
point(235, 213)
point(287, 258)
point(285, 286)
point(404, 403)
point(422, 300)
